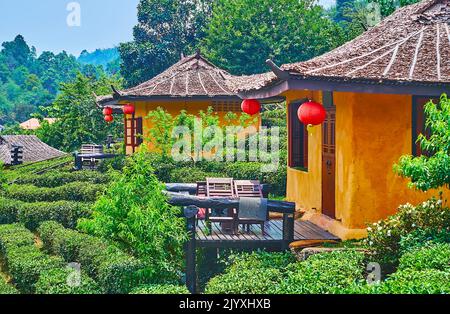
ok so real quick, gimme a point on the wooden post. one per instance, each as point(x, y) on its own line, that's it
point(190, 212)
point(288, 230)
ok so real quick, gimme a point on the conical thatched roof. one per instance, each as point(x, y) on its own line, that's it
point(410, 46)
point(192, 76)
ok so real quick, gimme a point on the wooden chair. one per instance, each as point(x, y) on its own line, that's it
point(222, 187)
point(249, 188)
point(89, 149)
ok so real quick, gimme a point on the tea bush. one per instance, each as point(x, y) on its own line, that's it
point(429, 281)
point(14, 236)
point(55, 281)
point(75, 191)
point(256, 273)
point(6, 288)
point(160, 289)
point(114, 270)
point(57, 178)
point(323, 273)
point(385, 237)
point(431, 256)
point(32, 214)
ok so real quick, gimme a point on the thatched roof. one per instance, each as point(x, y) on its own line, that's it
point(191, 77)
point(34, 149)
point(410, 46)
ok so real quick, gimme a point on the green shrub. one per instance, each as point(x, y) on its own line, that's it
point(8, 211)
point(65, 212)
point(190, 175)
point(55, 281)
point(114, 270)
point(433, 256)
point(385, 237)
point(116, 163)
point(26, 263)
point(134, 212)
point(58, 178)
point(323, 273)
point(430, 281)
point(75, 191)
point(14, 236)
point(160, 289)
point(255, 273)
point(6, 288)
point(17, 172)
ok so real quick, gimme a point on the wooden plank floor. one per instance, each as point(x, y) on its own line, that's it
point(271, 237)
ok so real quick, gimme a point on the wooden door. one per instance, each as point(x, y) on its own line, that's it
point(329, 163)
point(133, 132)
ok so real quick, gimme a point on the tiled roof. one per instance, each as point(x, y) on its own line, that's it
point(34, 149)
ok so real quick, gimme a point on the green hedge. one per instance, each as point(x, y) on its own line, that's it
point(430, 281)
point(433, 256)
point(114, 270)
point(33, 214)
point(55, 281)
point(14, 236)
point(256, 273)
point(57, 178)
point(75, 191)
point(160, 289)
point(6, 288)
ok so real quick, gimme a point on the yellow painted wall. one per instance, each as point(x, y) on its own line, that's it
point(372, 132)
point(174, 107)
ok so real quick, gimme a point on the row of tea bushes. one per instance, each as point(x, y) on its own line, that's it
point(7, 288)
point(75, 191)
point(33, 214)
point(57, 178)
point(160, 289)
point(113, 269)
point(17, 172)
point(31, 268)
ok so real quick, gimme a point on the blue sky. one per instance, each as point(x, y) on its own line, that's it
point(104, 23)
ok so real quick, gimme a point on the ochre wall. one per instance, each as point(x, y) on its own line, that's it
point(174, 107)
point(372, 132)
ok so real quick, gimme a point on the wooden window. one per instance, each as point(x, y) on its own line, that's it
point(226, 106)
point(133, 132)
point(418, 123)
point(298, 138)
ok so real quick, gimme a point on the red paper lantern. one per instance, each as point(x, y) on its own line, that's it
point(251, 106)
point(312, 113)
point(128, 109)
point(107, 111)
point(109, 118)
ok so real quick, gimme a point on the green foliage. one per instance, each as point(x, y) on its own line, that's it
point(432, 256)
point(323, 273)
point(160, 289)
point(429, 281)
point(99, 57)
point(75, 191)
point(8, 210)
point(385, 237)
point(114, 270)
point(433, 171)
point(389, 6)
point(157, 46)
point(25, 264)
point(16, 172)
point(134, 212)
point(57, 178)
point(255, 273)
point(6, 288)
point(242, 34)
point(54, 281)
point(78, 119)
point(14, 236)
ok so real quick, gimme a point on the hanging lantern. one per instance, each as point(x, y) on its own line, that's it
point(107, 111)
point(251, 106)
point(311, 113)
point(109, 118)
point(128, 109)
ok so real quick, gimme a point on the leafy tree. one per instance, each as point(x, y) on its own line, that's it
point(389, 6)
point(432, 171)
point(242, 34)
point(166, 29)
point(78, 119)
point(134, 212)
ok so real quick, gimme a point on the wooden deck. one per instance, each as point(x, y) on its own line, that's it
point(271, 238)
